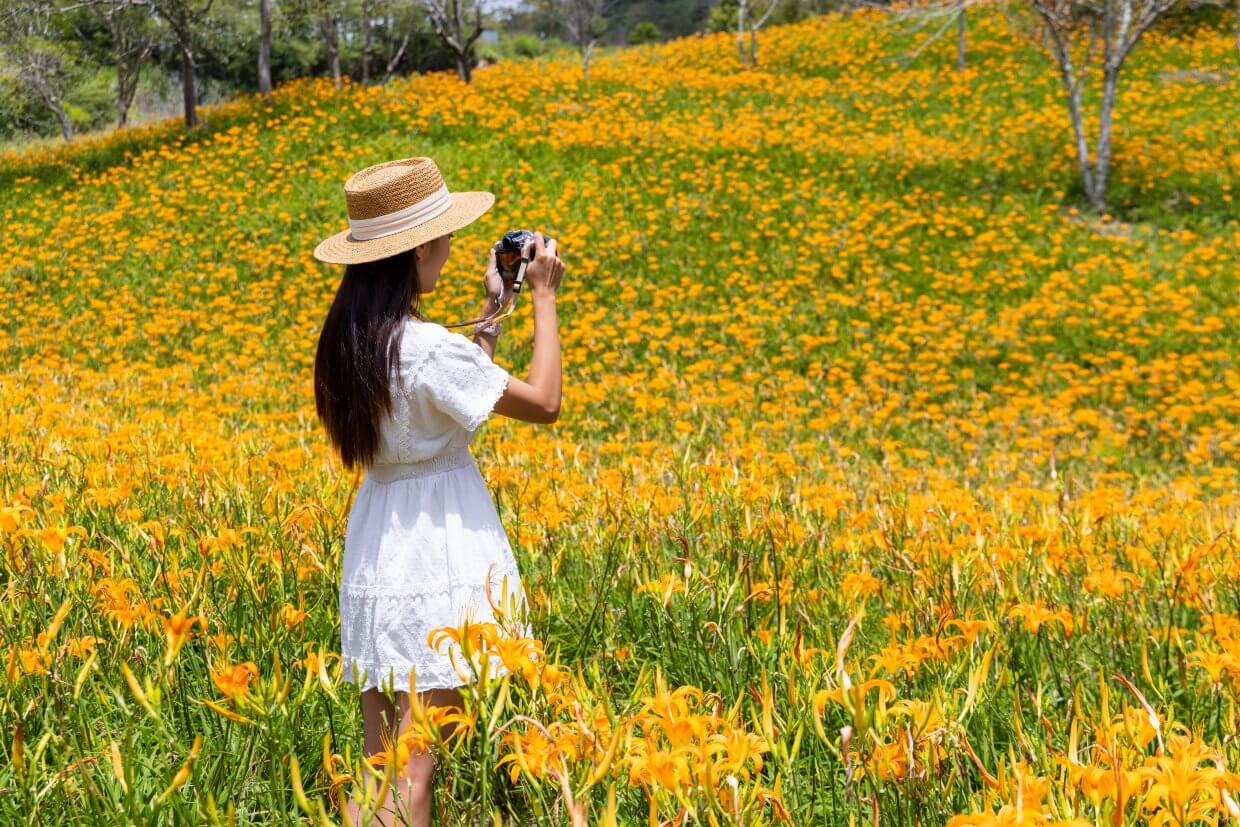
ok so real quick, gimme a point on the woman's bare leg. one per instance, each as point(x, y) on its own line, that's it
point(378, 714)
point(408, 801)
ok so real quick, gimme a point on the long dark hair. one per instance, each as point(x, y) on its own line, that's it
point(359, 347)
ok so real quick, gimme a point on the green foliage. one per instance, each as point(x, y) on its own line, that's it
point(488, 52)
point(91, 103)
point(59, 68)
point(1187, 19)
point(722, 17)
point(294, 57)
point(644, 32)
point(20, 114)
point(545, 46)
point(522, 45)
point(673, 19)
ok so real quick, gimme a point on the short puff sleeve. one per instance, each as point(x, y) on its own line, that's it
point(461, 380)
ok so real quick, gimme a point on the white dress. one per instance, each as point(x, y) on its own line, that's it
point(423, 530)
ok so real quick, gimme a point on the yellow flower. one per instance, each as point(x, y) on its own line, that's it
point(233, 680)
point(291, 616)
point(178, 628)
point(739, 748)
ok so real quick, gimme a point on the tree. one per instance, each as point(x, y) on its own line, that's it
point(675, 18)
point(329, 25)
point(745, 18)
point(450, 19)
point(367, 40)
point(391, 25)
point(377, 22)
point(42, 64)
point(184, 18)
point(943, 12)
point(327, 16)
point(585, 22)
point(264, 47)
point(133, 38)
point(722, 18)
point(742, 16)
point(1076, 33)
point(961, 28)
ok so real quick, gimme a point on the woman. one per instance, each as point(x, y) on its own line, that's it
point(402, 397)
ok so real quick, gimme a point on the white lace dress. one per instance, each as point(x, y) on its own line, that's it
point(424, 540)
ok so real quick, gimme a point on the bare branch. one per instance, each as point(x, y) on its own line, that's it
point(771, 8)
point(395, 59)
point(448, 19)
point(1085, 27)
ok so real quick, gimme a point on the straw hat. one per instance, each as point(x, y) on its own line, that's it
point(396, 206)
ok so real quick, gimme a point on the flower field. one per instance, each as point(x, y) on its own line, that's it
point(888, 488)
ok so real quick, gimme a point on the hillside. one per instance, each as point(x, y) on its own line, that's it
point(838, 346)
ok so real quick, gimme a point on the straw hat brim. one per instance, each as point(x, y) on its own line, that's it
point(342, 248)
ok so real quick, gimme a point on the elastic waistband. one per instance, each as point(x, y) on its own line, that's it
point(392, 471)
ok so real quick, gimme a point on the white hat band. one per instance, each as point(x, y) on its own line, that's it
point(364, 229)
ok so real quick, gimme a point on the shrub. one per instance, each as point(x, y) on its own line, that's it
point(522, 45)
point(644, 32)
point(92, 103)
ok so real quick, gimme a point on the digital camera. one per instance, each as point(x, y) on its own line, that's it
point(508, 256)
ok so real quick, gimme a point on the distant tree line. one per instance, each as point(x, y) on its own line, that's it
point(73, 65)
point(69, 65)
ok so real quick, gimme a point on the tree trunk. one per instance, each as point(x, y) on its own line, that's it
point(585, 60)
point(394, 60)
point(264, 47)
point(188, 93)
point(130, 51)
point(740, 30)
point(463, 68)
point(366, 42)
point(128, 76)
point(1115, 49)
point(753, 47)
point(960, 30)
point(66, 123)
point(124, 98)
point(1082, 142)
point(1072, 88)
point(328, 27)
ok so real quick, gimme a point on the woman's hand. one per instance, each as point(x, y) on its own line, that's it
point(546, 269)
point(497, 291)
point(497, 294)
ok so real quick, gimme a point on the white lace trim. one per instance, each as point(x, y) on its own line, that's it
point(416, 612)
point(431, 674)
point(423, 590)
point(490, 395)
point(469, 378)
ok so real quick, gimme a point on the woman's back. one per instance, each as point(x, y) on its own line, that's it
point(444, 389)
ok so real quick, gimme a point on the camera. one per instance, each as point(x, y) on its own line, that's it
point(508, 256)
